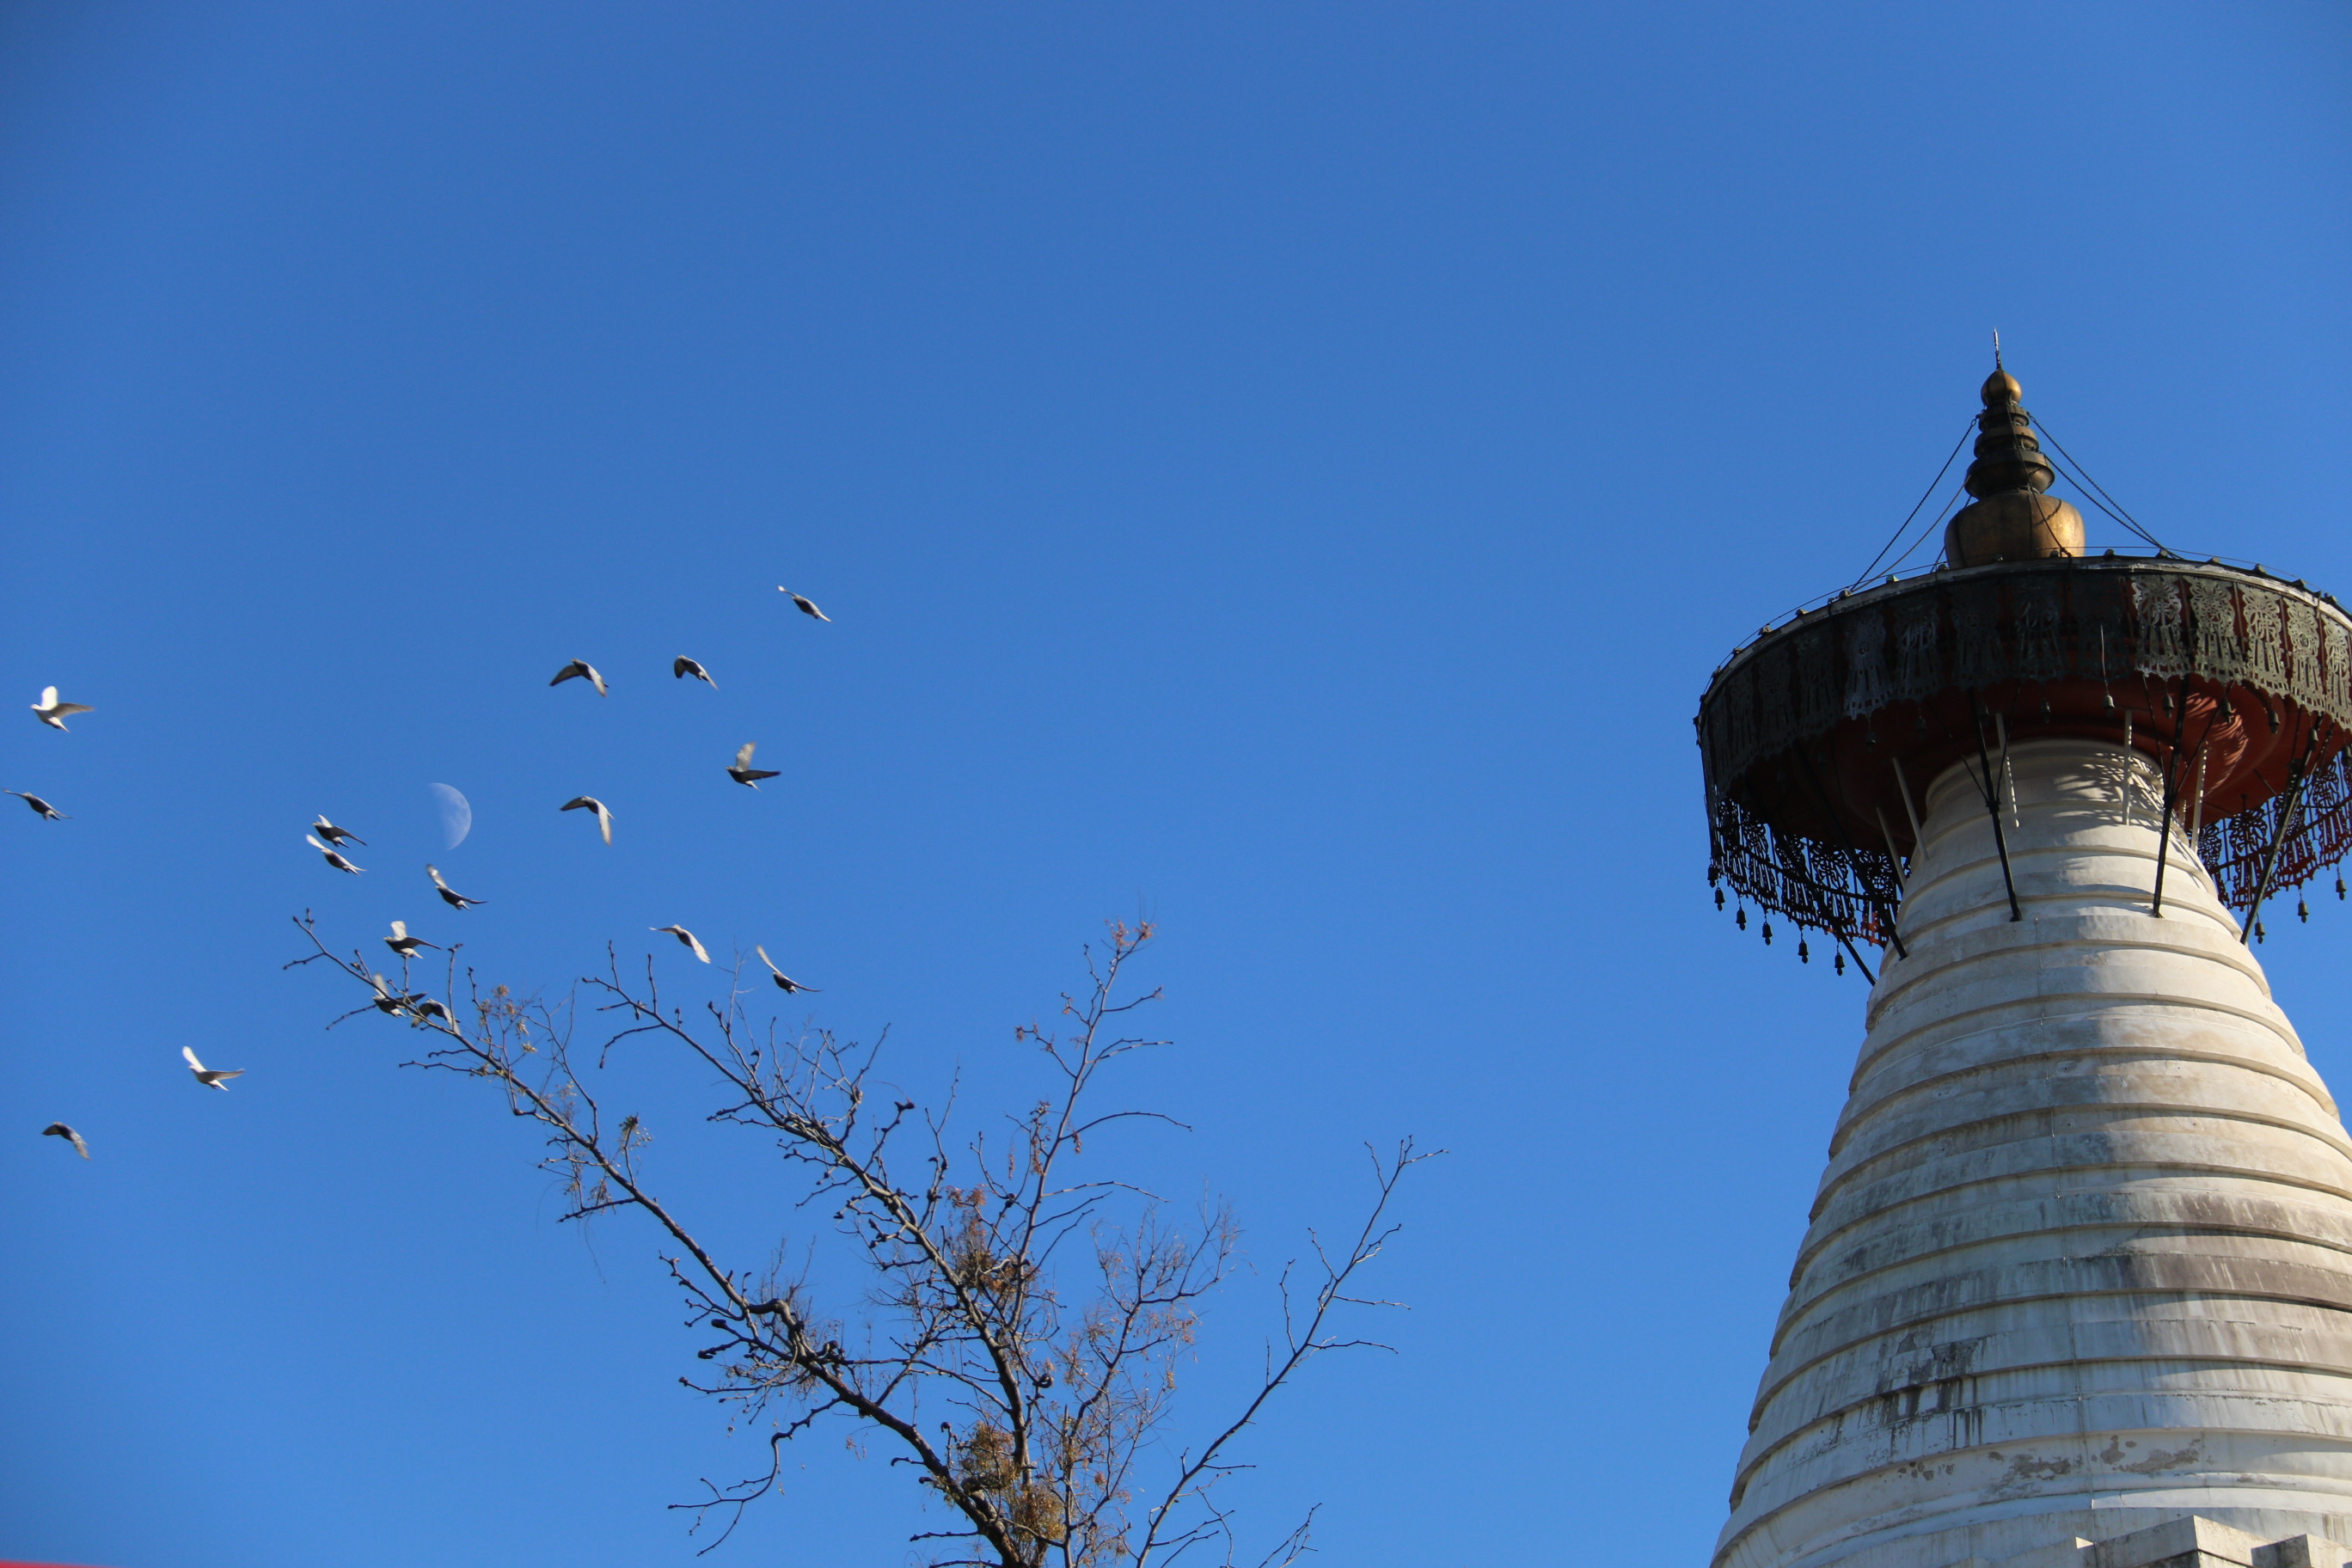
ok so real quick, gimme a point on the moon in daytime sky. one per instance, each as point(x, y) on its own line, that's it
point(456, 814)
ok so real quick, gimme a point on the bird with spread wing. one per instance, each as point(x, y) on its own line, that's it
point(743, 772)
point(687, 937)
point(54, 714)
point(211, 1078)
point(581, 670)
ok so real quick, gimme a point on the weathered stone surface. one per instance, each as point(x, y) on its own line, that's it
point(2080, 1267)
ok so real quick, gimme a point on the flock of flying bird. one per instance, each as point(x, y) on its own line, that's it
point(329, 840)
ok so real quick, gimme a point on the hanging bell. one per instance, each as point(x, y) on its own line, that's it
point(1768, 933)
point(1743, 917)
point(2340, 887)
point(1803, 955)
point(1718, 898)
point(2259, 934)
point(2303, 911)
point(1714, 872)
point(2111, 701)
point(1840, 962)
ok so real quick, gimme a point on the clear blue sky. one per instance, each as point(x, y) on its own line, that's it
point(1289, 470)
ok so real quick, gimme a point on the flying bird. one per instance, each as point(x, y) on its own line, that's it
point(211, 1078)
point(801, 604)
point(581, 670)
point(589, 802)
point(401, 943)
point(681, 666)
point(60, 1129)
point(785, 982)
point(387, 1000)
point(336, 835)
point(743, 772)
point(41, 805)
point(335, 860)
point(427, 1008)
point(52, 712)
point(687, 937)
point(455, 900)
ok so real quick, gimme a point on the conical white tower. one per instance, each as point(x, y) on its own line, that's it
point(2081, 1259)
point(2077, 1289)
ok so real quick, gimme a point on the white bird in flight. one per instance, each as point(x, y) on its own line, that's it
point(334, 834)
point(41, 805)
point(743, 772)
point(60, 1129)
point(589, 802)
point(333, 857)
point(449, 896)
point(681, 666)
point(687, 937)
point(785, 982)
point(581, 670)
point(211, 1078)
point(52, 712)
point(401, 943)
point(802, 603)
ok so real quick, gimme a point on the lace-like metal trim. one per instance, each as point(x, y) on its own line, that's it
point(2106, 621)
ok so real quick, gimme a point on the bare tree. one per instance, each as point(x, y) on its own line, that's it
point(1018, 1320)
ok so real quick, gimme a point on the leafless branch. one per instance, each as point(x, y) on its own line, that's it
point(1058, 1376)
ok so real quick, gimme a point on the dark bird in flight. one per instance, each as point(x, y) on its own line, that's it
point(589, 802)
point(455, 900)
point(581, 670)
point(60, 1129)
point(801, 604)
point(333, 859)
point(785, 982)
point(41, 805)
point(387, 1000)
point(401, 943)
point(681, 666)
point(336, 835)
point(743, 772)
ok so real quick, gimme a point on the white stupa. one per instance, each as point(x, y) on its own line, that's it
point(2077, 1288)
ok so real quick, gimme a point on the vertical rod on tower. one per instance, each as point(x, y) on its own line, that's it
point(1858, 964)
point(1888, 834)
point(1993, 808)
point(1902, 787)
point(2131, 771)
point(2007, 771)
point(2174, 771)
point(2287, 814)
point(2197, 801)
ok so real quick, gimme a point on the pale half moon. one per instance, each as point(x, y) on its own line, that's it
point(456, 814)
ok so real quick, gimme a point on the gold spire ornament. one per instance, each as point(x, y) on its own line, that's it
point(2011, 517)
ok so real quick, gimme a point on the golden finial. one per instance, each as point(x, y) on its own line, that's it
point(2011, 517)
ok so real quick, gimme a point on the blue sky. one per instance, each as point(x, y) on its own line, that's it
point(1288, 470)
